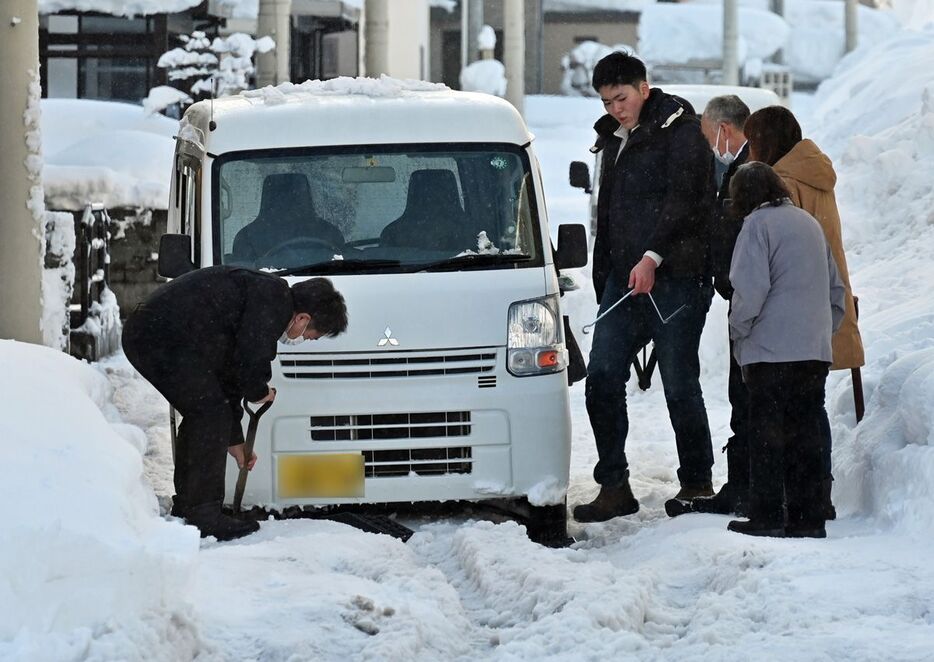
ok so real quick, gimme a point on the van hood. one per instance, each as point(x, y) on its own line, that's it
point(428, 311)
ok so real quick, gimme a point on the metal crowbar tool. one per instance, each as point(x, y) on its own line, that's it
point(586, 329)
point(248, 449)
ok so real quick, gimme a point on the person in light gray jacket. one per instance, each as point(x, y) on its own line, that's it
point(788, 300)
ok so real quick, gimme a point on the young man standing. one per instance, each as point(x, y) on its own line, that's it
point(656, 198)
point(722, 124)
point(206, 341)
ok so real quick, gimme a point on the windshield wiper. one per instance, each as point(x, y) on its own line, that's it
point(335, 266)
point(472, 259)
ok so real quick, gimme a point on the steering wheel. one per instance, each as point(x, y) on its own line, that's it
point(301, 241)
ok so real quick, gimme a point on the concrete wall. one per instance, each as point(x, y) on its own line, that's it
point(409, 47)
point(21, 244)
point(561, 38)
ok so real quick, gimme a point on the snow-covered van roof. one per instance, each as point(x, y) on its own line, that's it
point(353, 111)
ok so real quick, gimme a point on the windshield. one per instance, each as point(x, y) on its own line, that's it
point(386, 208)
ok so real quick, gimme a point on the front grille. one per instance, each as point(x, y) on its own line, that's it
point(366, 427)
point(420, 461)
point(387, 364)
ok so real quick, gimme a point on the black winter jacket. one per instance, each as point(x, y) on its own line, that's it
point(658, 195)
point(725, 229)
point(227, 320)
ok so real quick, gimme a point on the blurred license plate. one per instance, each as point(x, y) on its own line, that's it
point(322, 475)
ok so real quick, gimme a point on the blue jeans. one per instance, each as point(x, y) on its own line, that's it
point(617, 339)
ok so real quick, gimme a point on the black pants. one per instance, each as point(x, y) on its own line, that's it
point(785, 405)
point(738, 443)
point(617, 339)
point(209, 406)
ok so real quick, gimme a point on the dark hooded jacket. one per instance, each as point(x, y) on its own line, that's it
point(223, 320)
point(658, 195)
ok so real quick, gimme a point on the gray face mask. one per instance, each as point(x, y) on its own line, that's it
point(285, 340)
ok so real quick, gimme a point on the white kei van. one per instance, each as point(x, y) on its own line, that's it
point(425, 208)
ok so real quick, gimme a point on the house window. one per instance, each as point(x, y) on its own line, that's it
point(93, 56)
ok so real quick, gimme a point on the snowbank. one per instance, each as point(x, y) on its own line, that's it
point(86, 561)
point(102, 151)
point(810, 35)
point(680, 33)
point(883, 147)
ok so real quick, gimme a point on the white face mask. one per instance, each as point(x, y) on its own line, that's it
point(727, 157)
point(285, 340)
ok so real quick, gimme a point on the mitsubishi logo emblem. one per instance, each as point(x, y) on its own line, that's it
point(387, 339)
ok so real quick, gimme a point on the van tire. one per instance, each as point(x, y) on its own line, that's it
point(548, 525)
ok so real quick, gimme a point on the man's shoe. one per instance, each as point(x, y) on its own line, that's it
point(613, 501)
point(211, 521)
point(802, 530)
point(756, 528)
point(676, 507)
point(689, 492)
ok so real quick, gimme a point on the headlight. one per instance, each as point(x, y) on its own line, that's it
point(534, 338)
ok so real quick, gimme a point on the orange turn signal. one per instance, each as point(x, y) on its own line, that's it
point(547, 359)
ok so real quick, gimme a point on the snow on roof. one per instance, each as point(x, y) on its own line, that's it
point(118, 7)
point(346, 111)
point(107, 152)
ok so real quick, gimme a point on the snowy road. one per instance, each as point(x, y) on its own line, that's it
point(645, 585)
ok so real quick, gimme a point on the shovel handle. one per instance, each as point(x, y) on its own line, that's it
point(248, 444)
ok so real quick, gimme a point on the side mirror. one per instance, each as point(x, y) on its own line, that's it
point(572, 247)
point(579, 176)
point(175, 255)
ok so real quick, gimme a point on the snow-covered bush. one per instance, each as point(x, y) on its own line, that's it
point(579, 63)
point(224, 64)
point(486, 75)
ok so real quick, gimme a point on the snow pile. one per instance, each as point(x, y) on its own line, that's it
point(596, 5)
point(163, 96)
point(913, 14)
point(579, 63)
point(86, 563)
point(487, 76)
point(814, 44)
point(681, 33)
point(108, 152)
point(883, 146)
point(382, 87)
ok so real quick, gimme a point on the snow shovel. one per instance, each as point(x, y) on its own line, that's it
point(248, 450)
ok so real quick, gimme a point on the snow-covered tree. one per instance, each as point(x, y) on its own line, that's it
point(224, 64)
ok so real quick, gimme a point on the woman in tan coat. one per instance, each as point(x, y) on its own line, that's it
point(775, 138)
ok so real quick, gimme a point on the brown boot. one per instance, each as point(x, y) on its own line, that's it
point(613, 501)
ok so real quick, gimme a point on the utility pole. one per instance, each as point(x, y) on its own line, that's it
point(730, 43)
point(534, 46)
point(376, 47)
point(514, 52)
point(22, 209)
point(851, 22)
point(474, 25)
point(275, 20)
point(778, 7)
